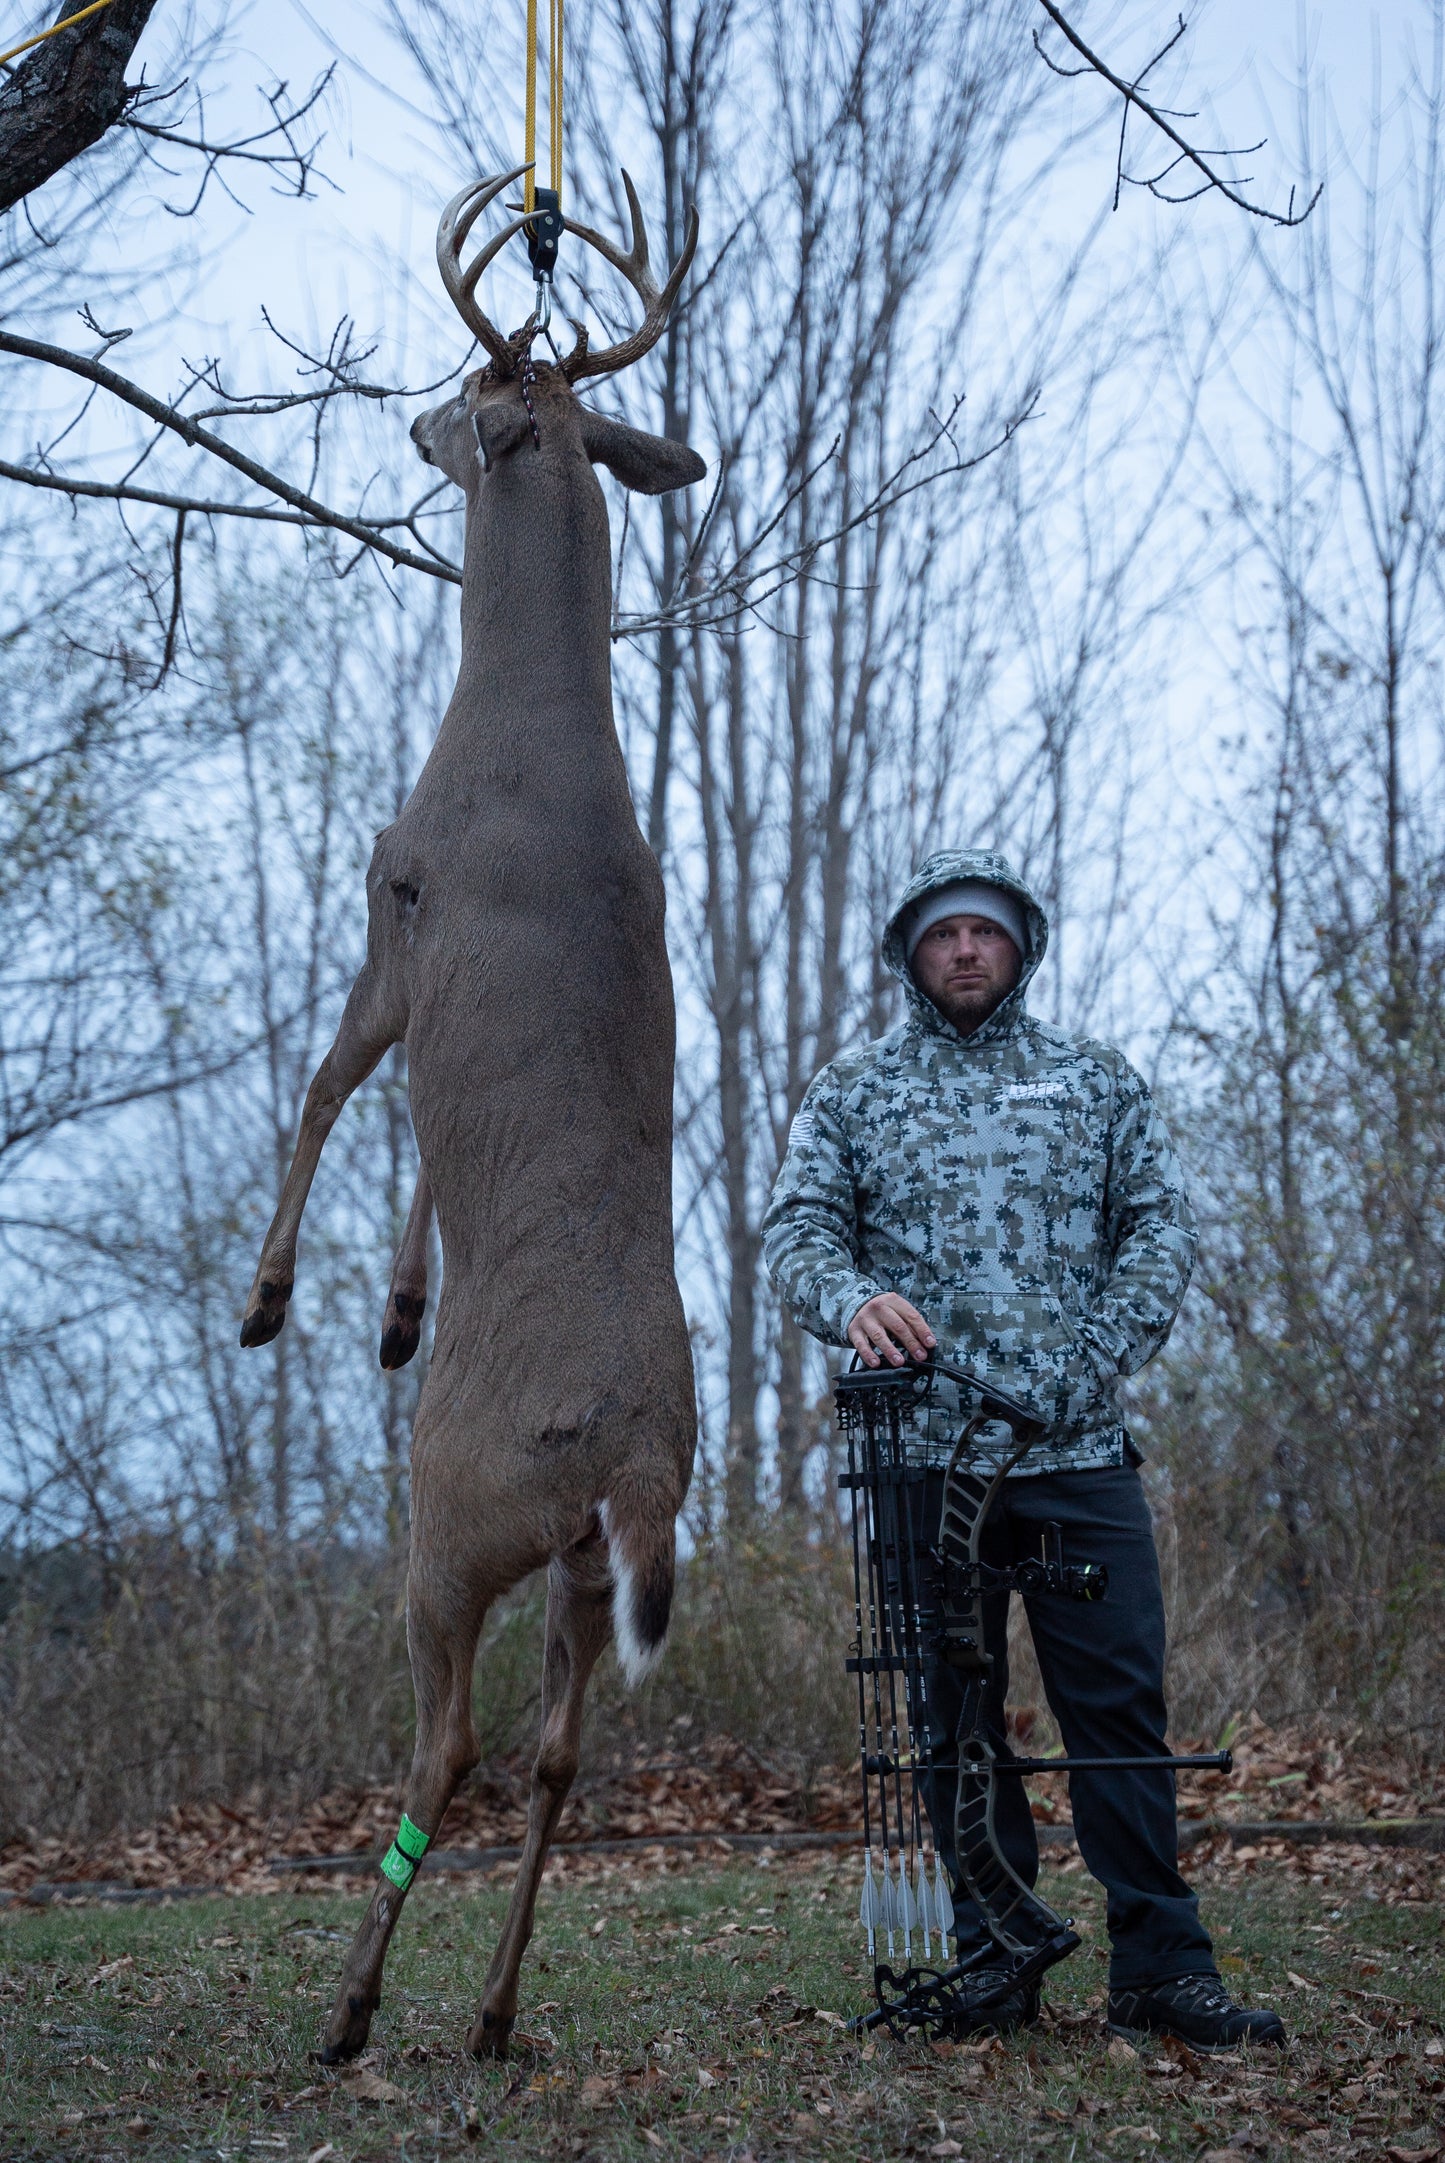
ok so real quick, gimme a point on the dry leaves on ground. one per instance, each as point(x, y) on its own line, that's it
point(703, 1788)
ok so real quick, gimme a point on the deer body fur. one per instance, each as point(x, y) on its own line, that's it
point(515, 944)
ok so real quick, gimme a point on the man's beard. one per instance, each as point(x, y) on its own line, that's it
point(967, 1010)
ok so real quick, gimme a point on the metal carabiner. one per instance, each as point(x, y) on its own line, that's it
point(542, 316)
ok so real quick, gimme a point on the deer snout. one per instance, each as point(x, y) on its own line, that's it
point(445, 439)
point(421, 437)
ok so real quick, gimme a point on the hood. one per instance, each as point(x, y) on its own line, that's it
point(946, 869)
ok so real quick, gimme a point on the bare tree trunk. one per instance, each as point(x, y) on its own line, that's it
point(64, 95)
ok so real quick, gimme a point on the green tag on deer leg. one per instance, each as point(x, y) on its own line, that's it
point(406, 1851)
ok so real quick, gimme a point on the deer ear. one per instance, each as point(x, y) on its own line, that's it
point(649, 465)
point(499, 425)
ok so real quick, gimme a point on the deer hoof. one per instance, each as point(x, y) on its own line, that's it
point(347, 2029)
point(401, 1329)
point(265, 1313)
point(490, 2036)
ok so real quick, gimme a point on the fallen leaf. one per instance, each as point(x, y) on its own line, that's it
point(319, 2155)
point(1301, 1982)
point(599, 2088)
point(540, 2043)
point(1413, 2155)
point(142, 2125)
point(1175, 2047)
point(369, 2087)
point(1147, 2133)
point(599, 1926)
point(705, 2079)
point(654, 2140)
point(947, 2147)
point(1121, 2052)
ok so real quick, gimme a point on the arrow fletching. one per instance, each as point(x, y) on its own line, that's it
point(943, 1899)
point(870, 1907)
point(923, 1900)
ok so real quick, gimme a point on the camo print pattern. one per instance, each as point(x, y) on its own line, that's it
point(1017, 1185)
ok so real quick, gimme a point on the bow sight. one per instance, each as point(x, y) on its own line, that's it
point(919, 1588)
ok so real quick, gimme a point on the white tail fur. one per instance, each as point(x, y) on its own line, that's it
point(641, 1596)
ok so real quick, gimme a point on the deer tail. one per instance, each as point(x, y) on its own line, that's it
point(642, 1554)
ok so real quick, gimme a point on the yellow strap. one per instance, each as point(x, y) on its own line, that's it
point(554, 91)
point(554, 99)
point(529, 125)
point(67, 22)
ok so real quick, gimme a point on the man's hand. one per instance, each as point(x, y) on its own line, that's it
point(888, 1325)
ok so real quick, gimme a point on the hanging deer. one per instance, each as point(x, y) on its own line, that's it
point(515, 945)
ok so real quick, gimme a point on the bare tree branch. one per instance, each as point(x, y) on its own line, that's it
point(733, 592)
point(276, 146)
point(1163, 118)
point(311, 512)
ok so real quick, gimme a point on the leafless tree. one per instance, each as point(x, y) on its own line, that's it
point(1325, 1261)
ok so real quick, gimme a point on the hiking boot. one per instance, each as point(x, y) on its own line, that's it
point(1020, 2009)
point(1196, 2008)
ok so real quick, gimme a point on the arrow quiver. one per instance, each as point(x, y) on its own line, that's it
point(920, 1582)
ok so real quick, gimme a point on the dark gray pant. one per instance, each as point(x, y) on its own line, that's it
point(1103, 1671)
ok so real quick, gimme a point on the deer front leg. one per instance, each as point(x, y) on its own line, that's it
point(579, 1623)
point(360, 1042)
point(406, 1301)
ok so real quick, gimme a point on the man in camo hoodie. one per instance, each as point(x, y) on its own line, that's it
point(983, 1183)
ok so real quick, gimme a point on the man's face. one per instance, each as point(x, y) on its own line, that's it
point(966, 965)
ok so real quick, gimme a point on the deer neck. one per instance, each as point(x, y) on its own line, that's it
point(537, 599)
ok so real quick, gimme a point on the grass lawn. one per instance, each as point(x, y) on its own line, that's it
point(694, 2013)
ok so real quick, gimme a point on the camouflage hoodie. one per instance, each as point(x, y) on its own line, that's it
point(1017, 1185)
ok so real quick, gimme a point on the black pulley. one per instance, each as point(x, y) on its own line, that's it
point(544, 232)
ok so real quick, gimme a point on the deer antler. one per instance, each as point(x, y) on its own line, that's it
point(456, 222)
point(635, 269)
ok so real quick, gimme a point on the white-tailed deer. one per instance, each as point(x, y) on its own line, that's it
point(515, 943)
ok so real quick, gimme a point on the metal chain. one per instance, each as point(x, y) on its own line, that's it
point(529, 377)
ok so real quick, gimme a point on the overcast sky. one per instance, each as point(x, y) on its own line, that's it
point(310, 262)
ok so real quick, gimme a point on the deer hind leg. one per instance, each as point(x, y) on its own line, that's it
point(360, 1041)
point(442, 1634)
point(579, 1623)
point(406, 1301)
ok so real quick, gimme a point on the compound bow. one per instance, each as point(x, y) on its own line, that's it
point(919, 1591)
